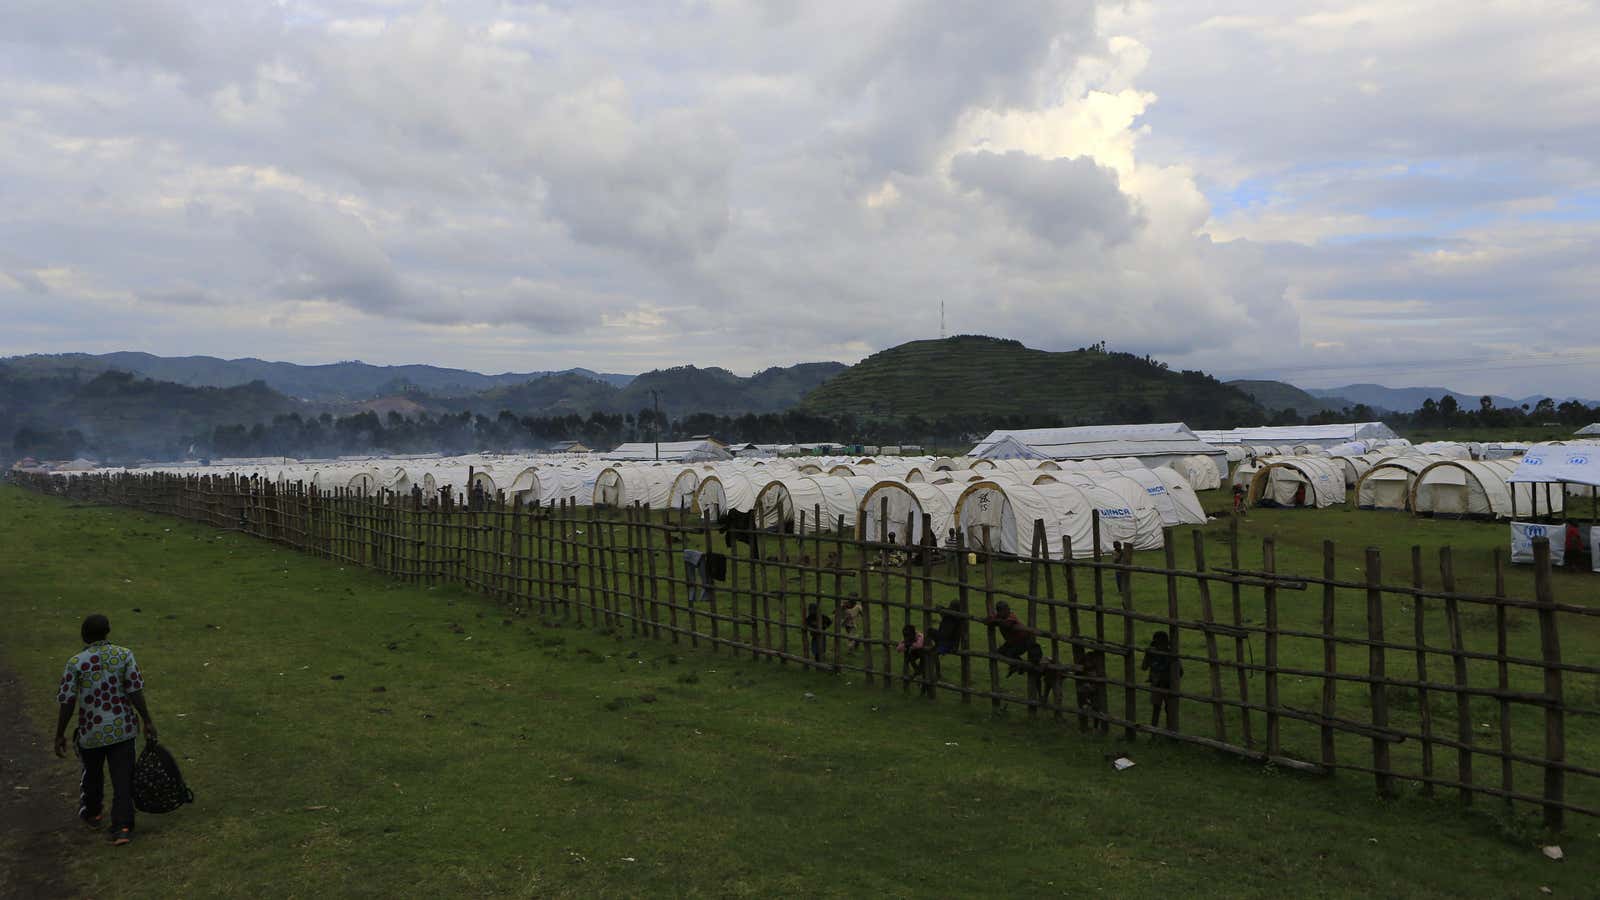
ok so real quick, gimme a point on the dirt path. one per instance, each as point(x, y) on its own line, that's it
point(37, 792)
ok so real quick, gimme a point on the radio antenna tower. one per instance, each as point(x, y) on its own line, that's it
point(941, 320)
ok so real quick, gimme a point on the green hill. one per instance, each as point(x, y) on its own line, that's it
point(341, 381)
point(118, 416)
point(549, 395)
point(984, 378)
point(1276, 395)
point(683, 390)
point(688, 389)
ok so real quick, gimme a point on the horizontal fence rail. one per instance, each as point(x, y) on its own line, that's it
point(1444, 688)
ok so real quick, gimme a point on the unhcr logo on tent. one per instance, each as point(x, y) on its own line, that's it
point(1577, 460)
point(1120, 513)
point(1534, 531)
point(1532, 461)
point(1153, 491)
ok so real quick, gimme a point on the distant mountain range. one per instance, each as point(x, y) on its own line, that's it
point(1275, 395)
point(681, 390)
point(330, 383)
point(131, 404)
point(1411, 399)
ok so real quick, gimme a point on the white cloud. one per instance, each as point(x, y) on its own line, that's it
point(534, 186)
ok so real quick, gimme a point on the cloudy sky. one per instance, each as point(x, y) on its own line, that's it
point(1403, 191)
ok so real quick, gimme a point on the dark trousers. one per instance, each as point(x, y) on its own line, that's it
point(91, 790)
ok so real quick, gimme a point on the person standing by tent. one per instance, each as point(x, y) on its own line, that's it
point(103, 681)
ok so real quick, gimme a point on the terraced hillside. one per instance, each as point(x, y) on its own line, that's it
point(988, 378)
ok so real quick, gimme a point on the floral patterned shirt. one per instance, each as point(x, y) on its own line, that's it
point(100, 677)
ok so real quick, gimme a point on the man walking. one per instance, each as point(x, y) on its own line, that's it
point(104, 683)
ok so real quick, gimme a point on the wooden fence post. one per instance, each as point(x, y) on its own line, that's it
point(1219, 715)
point(1555, 725)
point(1173, 701)
point(1269, 565)
point(1419, 605)
point(1375, 671)
point(1330, 656)
point(1240, 636)
point(1452, 611)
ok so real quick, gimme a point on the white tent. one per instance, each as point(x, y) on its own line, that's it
point(1000, 445)
point(484, 482)
point(1182, 495)
point(627, 485)
point(1565, 463)
point(1387, 485)
point(1156, 490)
point(1010, 509)
point(1154, 444)
point(1445, 450)
point(1288, 436)
point(1311, 481)
point(784, 500)
point(902, 499)
point(724, 491)
point(1200, 471)
point(971, 475)
point(1590, 429)
point(568, 485)
point(681, 492)
point(525, 487)
point(1127, 513)
point(670, 451)
point(1472, 488)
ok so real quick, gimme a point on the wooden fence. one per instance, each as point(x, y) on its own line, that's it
point(1316, 673)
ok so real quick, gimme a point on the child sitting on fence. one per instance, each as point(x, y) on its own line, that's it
point(1017, 638)
point(947, 637)
point(914, 663)
point(850, 621)
point(815, 628)
point(1091, 686)
point(1165, 671)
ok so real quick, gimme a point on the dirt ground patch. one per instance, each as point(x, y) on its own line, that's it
point(37, 792)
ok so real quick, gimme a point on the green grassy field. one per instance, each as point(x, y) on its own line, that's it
point(505, 756)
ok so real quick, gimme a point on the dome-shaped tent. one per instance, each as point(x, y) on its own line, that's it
point(1127, 514)
point(525, 487)
point(1009, 509)
point(725, 491)
point(1387, 485)
point(627, 485)
point(1454, 487)
point(887, 505)
point(1311, 481)
point(821, 498)
point(484, 482)
point(1200, 471)
point(682, 490)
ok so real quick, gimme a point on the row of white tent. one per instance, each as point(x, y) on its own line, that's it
point(1425, 485)
point(995, 500)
